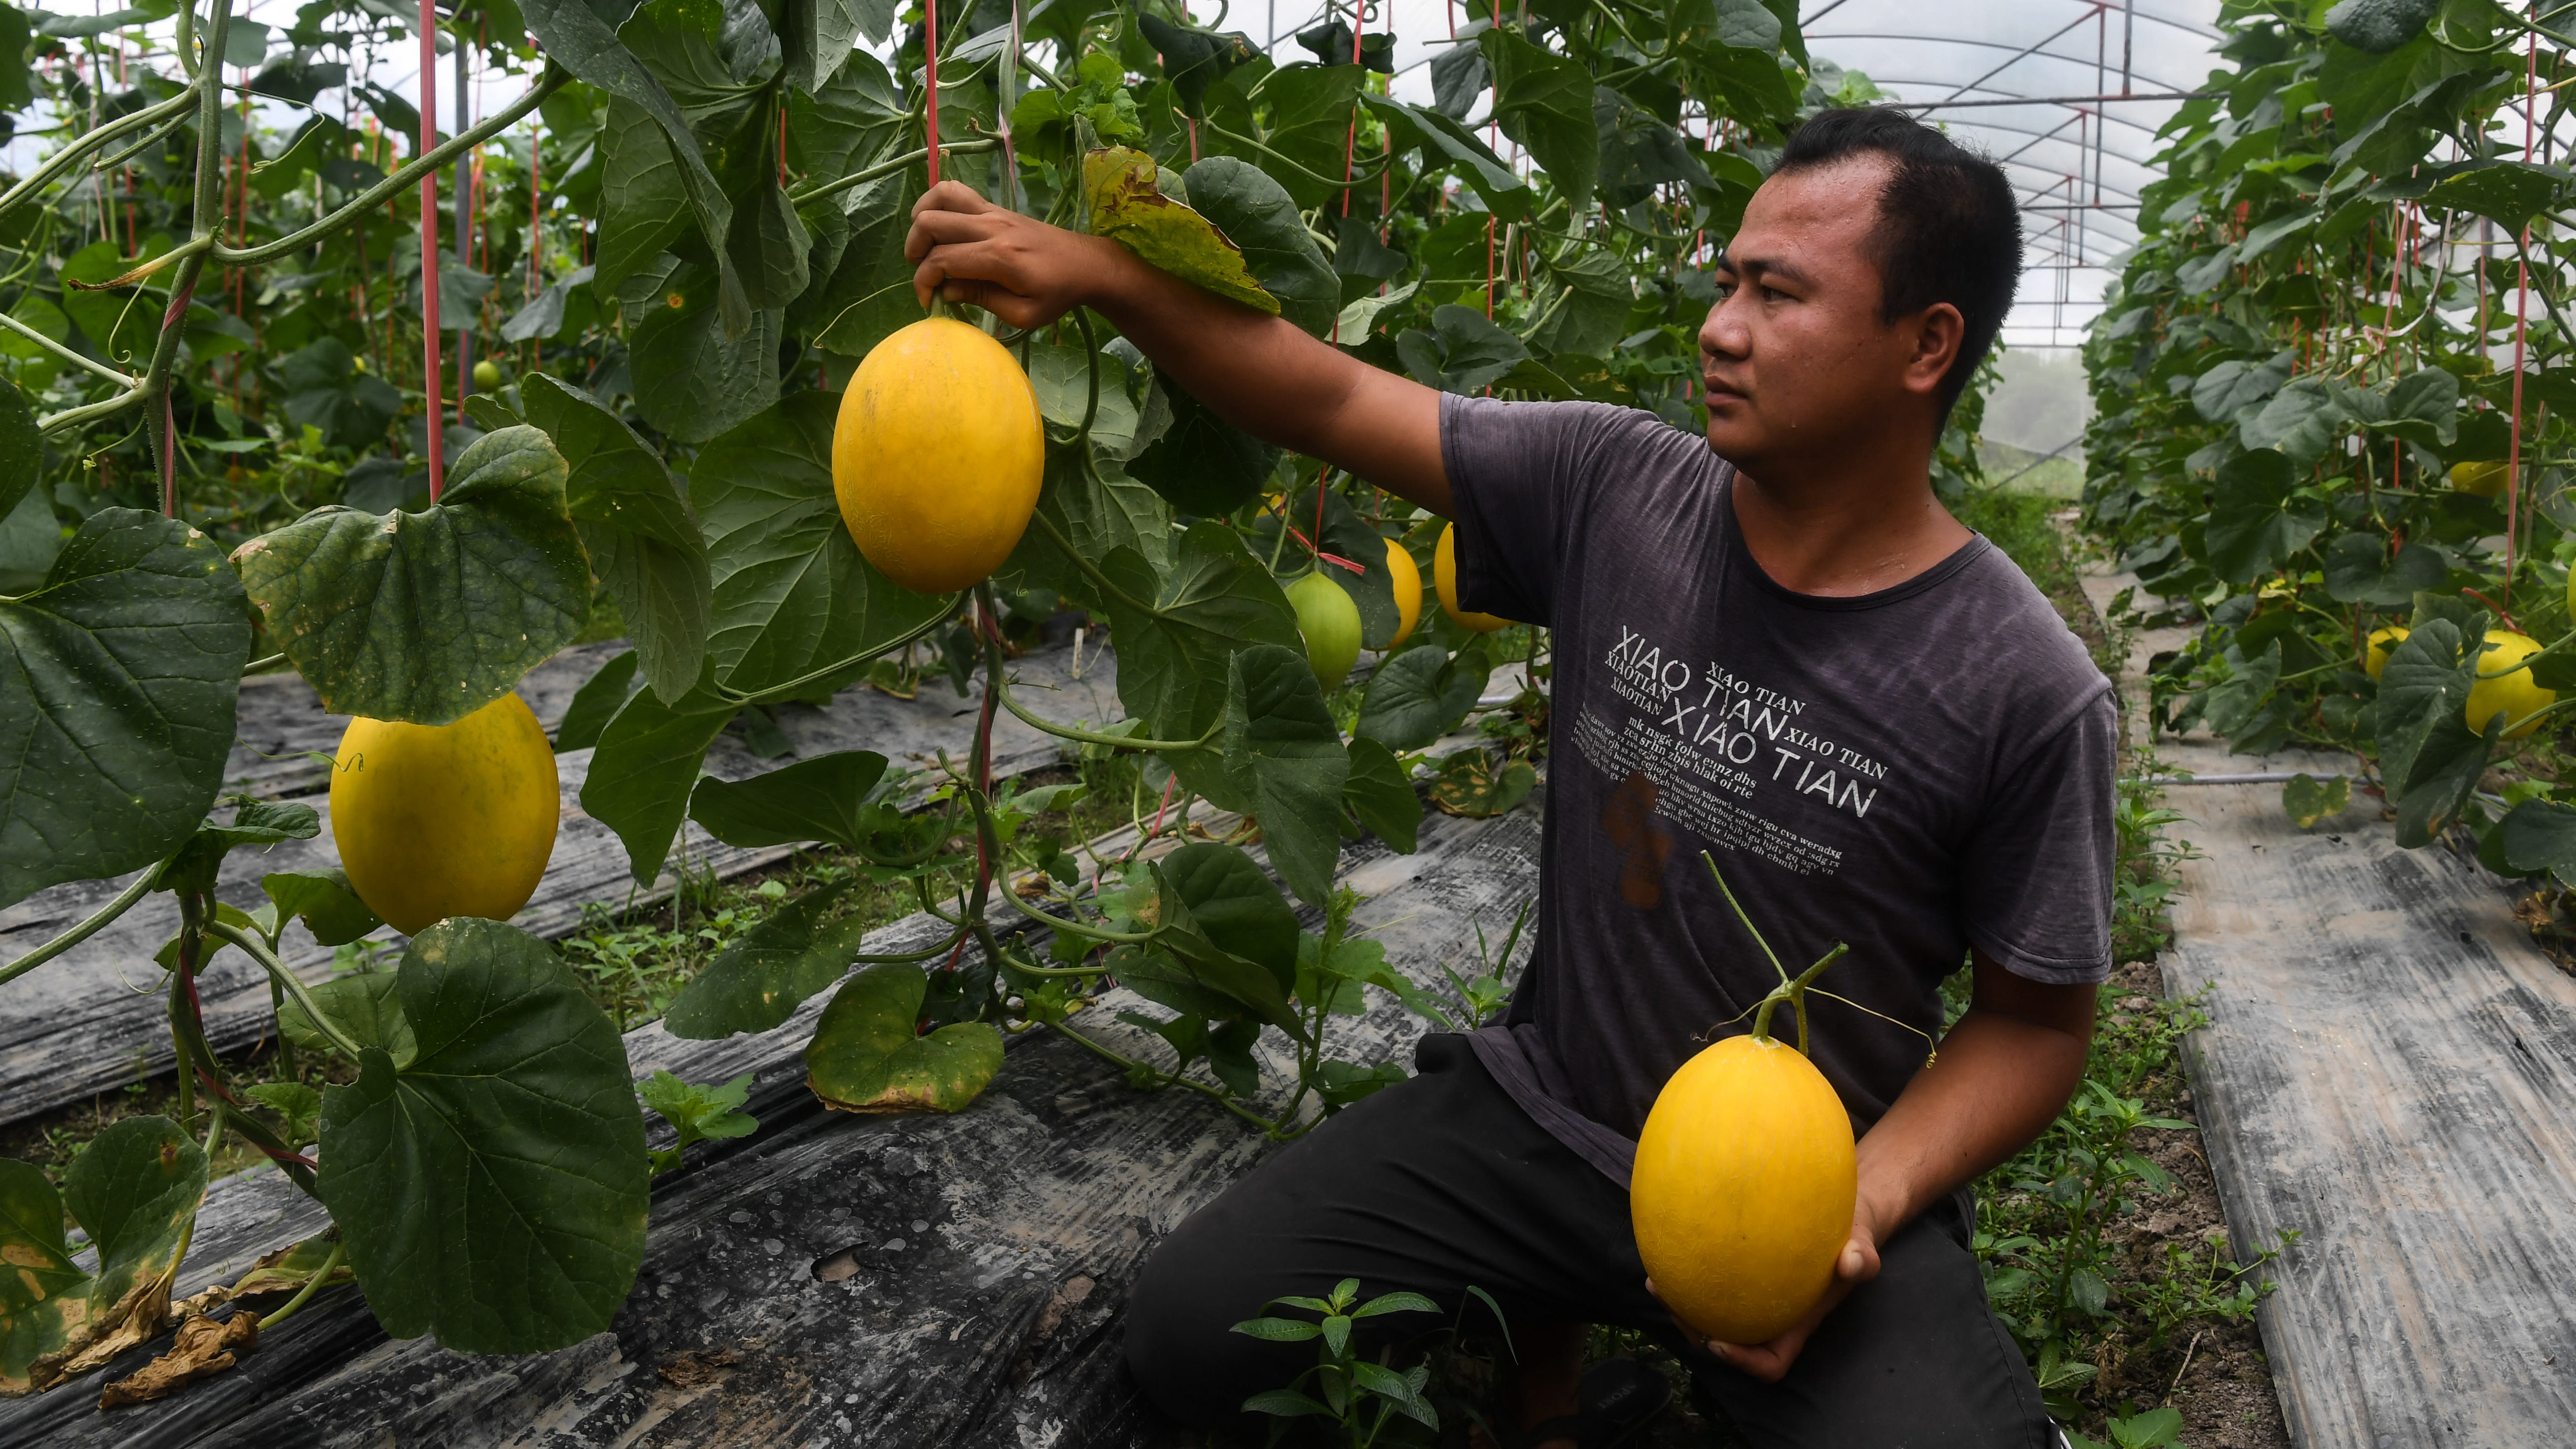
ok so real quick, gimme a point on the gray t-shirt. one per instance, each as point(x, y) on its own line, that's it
point(1913, 772)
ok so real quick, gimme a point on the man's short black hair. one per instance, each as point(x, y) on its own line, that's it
point(1948, 229)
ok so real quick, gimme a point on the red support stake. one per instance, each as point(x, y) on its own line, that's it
point(930, 83)
point(429, 358)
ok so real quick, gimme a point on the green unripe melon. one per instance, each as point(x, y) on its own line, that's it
point(1331, 624)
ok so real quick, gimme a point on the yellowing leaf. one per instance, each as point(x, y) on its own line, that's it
point(865, 1058)
point(1129, 209)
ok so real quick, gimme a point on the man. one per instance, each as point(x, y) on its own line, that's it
point(1777, 648)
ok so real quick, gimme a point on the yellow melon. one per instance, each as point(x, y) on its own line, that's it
point(937, 456)
point(1743, 1189)
point(434, 821)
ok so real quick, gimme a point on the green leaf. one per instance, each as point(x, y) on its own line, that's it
point(1471, 785)
point(2235, 703)
point(134, 1190)
point(823, 800)
point(2425, 681)
point(324, 899)
point(2443, 774)
point(364, 1007)
point(1193, 59)
point(1095, 515)
point(1127, 207)
point(1379, 793)
point(1234, 904)
point(43, 1280)
point(2302, 420)
point(1285, 757)
point(1583, 307)
point(2508, 193)
point(762, 975)
point(22, 452)
point(2307, 799)
point(122, 669)
point(596, 703)
point(2360, 571)
point(299, 1105)
point(259, 823)
point(815, 38)
point(791, 593)
point(1279, 1330)
point(695, 377)
point(769, 245)
point(576, 37)
point(1177, 632)
point(1463, 352)
point(2377, 26)
point(2235, 383)
point(1420, 694)
point(2257, 522)
point(696, 1113)
point(870, 294)
point(1061, 375)
point(1309, 123)
point(1259, 216)
point(429, 616)
point(865, 1058)
point(2535, 837)
point(1203, 464)
point(1446, 144)
point(643, 769)
point(635, 521)
point(851, 113)
point(1544, 102)
point(492, 1192)
point(2423, 407)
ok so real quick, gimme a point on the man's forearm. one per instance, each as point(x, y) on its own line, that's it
point(1266, 376)
point(1999, 1081)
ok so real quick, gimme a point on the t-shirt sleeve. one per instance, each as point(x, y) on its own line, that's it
point(2036, 885)
point(1519, 472)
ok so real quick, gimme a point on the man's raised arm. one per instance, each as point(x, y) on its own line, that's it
point(1259, 373)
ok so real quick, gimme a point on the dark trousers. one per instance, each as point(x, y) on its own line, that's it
point(1443, 1182)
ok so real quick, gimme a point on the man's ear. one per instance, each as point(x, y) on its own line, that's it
point(1937, 332)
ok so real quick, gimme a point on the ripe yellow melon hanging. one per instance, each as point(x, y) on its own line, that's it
point(1444, 577)
point(434, 821)
point(1743, 1189)
point(937, 456)
point(1406, 575)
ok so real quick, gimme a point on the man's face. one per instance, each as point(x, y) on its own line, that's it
point(1794, 354)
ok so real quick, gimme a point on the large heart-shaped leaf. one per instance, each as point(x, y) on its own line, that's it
point(2256, 521)
point(2424, 682)
point(1420, 694)
point(870, 294)
point(2234, 383)
point(2508, 193)
point(1258, 215)
point(636, 522)
point(2379, 26)
point(1177, 631)
point(1309, 123)
point(865, 1058)
point(1544, 102)
point(764, 974)
point(823, 800)
point(1446, 144)
point(1095, 514)
point(1463, 351)
point(121, 673)
point(792, 596)
point(2423, 407)
point(1203, 464)
point(1235, 905)
point(2302, 420)
point(2360, 570)
point(1381, 795)
point(1285, 757)
point(643, 768)
point(575, 37)
point(491, 1192)
point(694, 377)
point(429, 616)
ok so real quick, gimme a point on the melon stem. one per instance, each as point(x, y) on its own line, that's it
point(1792, 990)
